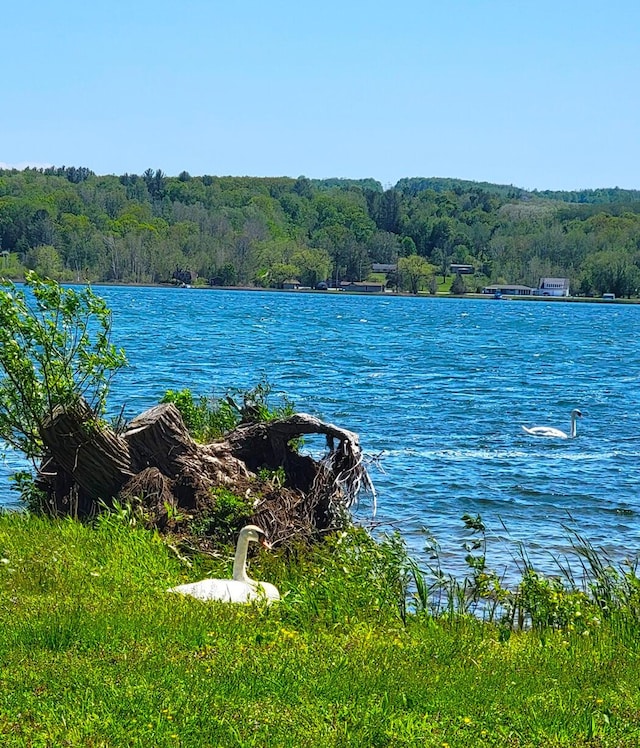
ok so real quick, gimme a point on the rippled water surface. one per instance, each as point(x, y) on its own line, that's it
point(437, 387)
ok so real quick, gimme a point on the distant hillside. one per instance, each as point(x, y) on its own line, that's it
point(363, 184)
point(73, 225)
point(415, 185)
point(602, 196)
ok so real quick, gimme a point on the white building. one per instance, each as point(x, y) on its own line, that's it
point(553, 287)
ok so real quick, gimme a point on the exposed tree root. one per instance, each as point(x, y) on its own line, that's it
point(176, 482)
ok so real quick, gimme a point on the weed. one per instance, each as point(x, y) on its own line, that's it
point(34, 499)
point(230, 512)
point(210, 418)
point(276, 478)
point(205, 418)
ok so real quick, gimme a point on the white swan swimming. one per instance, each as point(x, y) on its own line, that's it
point(239, 589)
point(550, 431)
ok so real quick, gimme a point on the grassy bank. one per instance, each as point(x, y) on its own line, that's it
point(94, 652)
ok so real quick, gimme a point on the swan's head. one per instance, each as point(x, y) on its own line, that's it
point(575, 413)
point(254, 534)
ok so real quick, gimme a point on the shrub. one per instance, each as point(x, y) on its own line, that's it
point(230, 512)
point(55, 349)
point(210, 418)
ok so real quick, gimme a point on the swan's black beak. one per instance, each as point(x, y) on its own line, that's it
point(265, 543)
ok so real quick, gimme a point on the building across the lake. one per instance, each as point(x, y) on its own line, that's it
point(546, 287)
point(553, 287)
point(381, 267)
point(461, 269)
point(291, 284)
point(363, 287)
point(508, 290)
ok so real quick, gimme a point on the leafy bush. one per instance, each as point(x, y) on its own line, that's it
point(55, 348)
point(33, 498)
point(210, 418)
point(206, 418)
point(230, 512)
point(350, 574)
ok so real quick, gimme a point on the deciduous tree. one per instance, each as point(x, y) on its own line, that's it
point(413, 272)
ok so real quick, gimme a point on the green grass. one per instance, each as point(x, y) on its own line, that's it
point(444, 286)
point(94, 652)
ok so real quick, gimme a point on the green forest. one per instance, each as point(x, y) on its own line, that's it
point(72, 225)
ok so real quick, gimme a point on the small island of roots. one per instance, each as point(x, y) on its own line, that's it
point(155, 463)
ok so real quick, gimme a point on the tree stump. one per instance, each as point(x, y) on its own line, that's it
point(93, 454)
point(158, 438)
point(156, 462)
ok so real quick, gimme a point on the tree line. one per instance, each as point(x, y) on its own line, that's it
point(70, 224)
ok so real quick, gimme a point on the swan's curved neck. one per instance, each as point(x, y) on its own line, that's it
point(574, 426)
point(240, 559)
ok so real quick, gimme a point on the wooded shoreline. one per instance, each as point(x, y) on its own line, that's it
point(69, 223)
point(336, 292)
point(381, 294)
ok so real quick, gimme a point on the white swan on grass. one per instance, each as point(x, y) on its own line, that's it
point(550, 431)
point(239, 589)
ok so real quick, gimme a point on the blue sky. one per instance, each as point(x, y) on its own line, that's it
point(535, 94)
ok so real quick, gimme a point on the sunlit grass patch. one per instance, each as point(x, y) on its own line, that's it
point(93, 651)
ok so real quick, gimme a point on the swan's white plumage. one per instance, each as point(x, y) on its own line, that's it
point(549, 431)
point(229, 590)
point(239, 589)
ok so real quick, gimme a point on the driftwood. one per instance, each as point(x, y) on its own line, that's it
point(156, 463)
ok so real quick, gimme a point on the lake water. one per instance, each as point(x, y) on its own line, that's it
point(436, 388)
